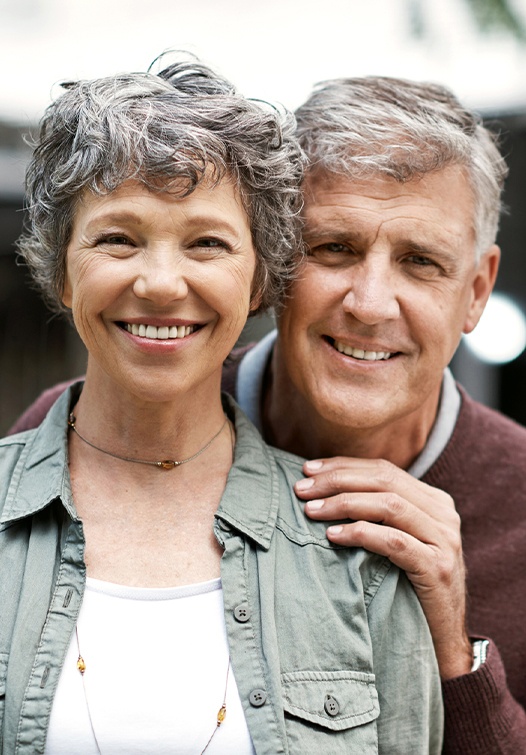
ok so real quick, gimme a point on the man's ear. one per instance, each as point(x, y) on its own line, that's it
point(482, 286)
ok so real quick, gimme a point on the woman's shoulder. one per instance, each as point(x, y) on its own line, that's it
point(11, 450)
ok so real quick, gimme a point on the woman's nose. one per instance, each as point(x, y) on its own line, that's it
point(161, 279)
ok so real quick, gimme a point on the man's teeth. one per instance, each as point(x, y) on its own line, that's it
point(164, 333)
point(370, 356)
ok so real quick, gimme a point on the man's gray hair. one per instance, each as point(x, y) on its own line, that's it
point(170, 131)
point(362, 127)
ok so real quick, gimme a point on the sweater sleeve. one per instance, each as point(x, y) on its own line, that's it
point(35, 413)
point(481, 716)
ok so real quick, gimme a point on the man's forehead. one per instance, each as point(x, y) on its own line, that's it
point(440, 201)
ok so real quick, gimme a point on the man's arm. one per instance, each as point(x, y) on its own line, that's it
point(417, 527)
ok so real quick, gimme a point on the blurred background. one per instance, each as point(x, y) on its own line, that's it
point(273, 50)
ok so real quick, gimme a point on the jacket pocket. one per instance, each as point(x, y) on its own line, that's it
point(330, 712)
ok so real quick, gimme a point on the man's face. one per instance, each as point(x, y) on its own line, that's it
point(389, 285)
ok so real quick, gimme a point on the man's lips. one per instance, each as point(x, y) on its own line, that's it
point(368, 355)
point(160, 333)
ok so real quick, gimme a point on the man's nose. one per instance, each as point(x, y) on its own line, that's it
point(371, 295)
point(162, 277)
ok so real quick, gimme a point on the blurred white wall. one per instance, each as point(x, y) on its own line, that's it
point(274, 49)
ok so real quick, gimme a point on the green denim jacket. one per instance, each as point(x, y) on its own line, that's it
point(329, 647)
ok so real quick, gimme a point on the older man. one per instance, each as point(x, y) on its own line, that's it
point(402, 200)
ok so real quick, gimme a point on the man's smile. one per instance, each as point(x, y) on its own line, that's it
point(369, 355)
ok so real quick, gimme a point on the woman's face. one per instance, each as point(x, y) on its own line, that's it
point(159, 285)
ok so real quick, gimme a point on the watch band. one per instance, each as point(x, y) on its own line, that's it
point(480, 650)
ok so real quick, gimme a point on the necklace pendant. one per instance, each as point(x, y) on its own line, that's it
point(81, 665)
point(221, 715)
point(167, 464)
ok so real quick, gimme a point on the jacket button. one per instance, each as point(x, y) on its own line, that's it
point(241, 613)
point(257, 698)
point(332, 707)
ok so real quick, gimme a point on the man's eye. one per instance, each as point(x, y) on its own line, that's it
point(423, 262)
point(331, 253)
point(331, 248)
point(335, 248)
point(418, 260)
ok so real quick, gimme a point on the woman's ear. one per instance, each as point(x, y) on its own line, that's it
point(258, 286)
point(66, 292)
point(255, 301)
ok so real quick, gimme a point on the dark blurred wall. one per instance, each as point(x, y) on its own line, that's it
point(37, 350)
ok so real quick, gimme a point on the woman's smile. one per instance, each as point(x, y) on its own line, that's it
point(161, 333)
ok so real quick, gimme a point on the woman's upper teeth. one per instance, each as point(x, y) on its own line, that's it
point(370, 356)
point(162, 333)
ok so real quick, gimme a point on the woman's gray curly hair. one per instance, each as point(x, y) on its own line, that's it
point(179, 127)
point(363, 127)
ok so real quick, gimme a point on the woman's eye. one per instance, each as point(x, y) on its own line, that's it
point(115, 239)
point(211, 243)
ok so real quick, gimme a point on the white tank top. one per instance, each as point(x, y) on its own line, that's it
point(156, 669)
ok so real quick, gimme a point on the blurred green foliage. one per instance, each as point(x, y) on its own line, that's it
point(490, 16)
point(497, 15)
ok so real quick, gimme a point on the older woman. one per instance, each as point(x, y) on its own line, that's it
point(161, 591)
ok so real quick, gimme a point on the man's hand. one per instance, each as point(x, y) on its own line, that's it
point(413, 524)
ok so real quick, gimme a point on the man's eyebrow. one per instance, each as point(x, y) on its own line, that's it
point(333, 232)
point(436, 249)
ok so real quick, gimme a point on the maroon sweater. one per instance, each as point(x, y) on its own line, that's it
point(483, 468)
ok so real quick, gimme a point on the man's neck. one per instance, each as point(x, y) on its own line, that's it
point(290, 422)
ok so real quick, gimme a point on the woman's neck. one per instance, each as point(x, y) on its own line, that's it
point(130, 425)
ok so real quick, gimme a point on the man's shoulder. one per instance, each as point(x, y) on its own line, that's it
point(486, 452)
point(231, 368)
point(488, 429)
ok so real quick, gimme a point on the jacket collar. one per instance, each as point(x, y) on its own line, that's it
point(251, 498)
point(249, 503)
point(40, 475)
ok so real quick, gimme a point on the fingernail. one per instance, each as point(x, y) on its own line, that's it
point(314, 505)
point(305, 484)
point(314, 465)
point(334, 530)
